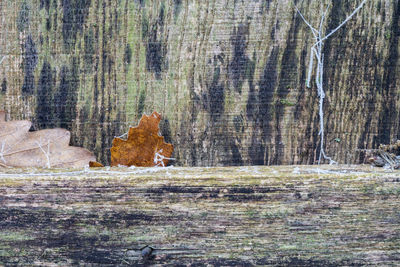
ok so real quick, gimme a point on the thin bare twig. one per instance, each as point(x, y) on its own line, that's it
point(46, 154)
point(317, 52)
point(3, 57)
point(159, 159)
point(313, 30)
point(388, 159)
point(3, 144)
point(345, 21)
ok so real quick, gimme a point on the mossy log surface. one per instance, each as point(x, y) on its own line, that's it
point(319, 216)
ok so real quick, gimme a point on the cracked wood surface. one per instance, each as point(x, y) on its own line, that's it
point(285, 215)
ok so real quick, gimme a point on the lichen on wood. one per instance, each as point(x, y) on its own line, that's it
point(256, 215)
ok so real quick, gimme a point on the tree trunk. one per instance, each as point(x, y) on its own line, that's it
point(228, 76)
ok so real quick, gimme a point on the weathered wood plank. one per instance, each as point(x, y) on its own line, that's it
point(221, 216)
point(228, 76)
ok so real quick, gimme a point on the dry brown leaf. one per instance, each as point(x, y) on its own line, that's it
point(45, 148)
point(144, 147)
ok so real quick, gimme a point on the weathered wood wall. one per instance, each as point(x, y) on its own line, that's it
point(227, 75)
point(236, 216)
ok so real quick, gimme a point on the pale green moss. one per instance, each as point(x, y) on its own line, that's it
point(15, 236)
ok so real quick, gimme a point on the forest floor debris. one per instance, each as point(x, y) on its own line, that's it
point(387, 156)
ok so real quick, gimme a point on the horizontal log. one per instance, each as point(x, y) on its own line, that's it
point(284, 215)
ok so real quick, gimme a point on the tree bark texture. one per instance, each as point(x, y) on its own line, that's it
point(228, 76)
point(230, 216)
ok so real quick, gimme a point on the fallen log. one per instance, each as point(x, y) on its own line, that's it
point(284, 215)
